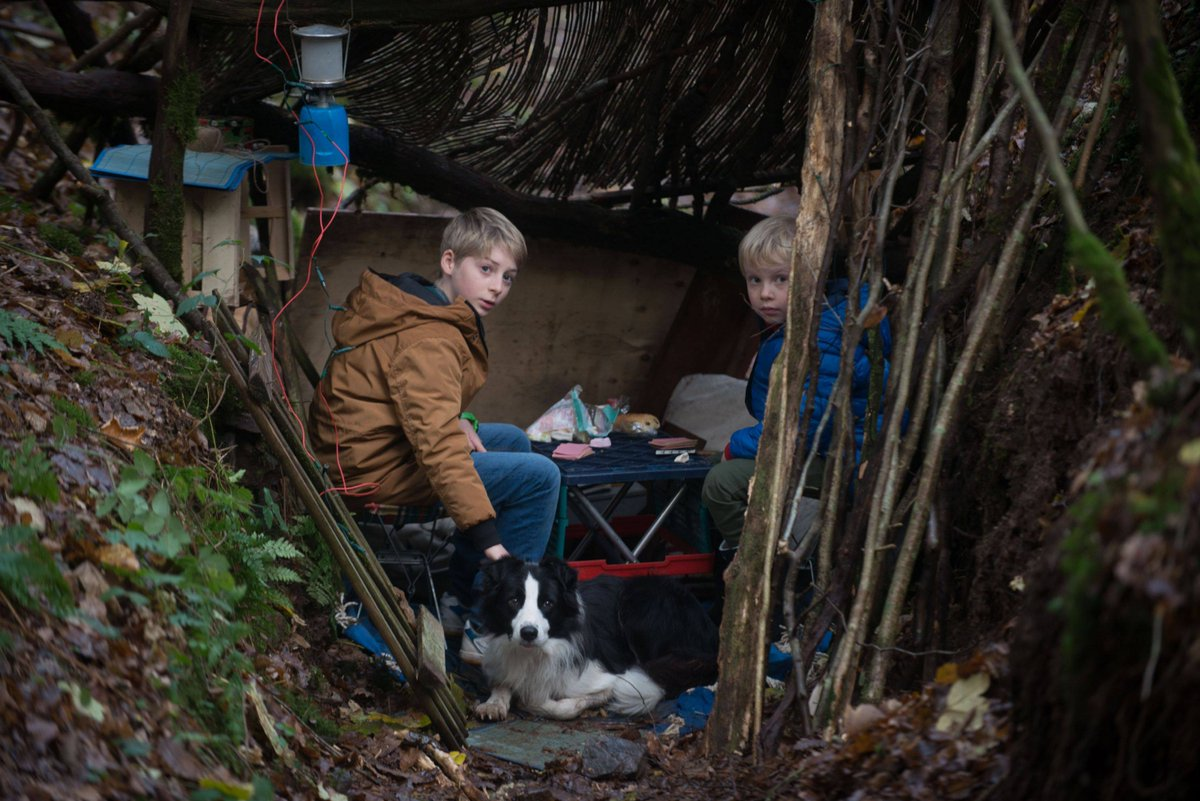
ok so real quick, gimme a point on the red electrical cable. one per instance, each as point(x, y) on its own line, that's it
point(355, 490)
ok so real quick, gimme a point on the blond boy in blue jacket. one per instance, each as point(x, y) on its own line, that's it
point(764, 256)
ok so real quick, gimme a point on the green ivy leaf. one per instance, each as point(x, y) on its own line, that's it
point(152, 345)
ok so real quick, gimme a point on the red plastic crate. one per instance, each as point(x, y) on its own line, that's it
point(676, 564)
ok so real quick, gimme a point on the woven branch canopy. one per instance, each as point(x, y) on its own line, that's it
point(552, 100)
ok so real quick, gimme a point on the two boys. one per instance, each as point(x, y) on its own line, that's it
point(389, 417)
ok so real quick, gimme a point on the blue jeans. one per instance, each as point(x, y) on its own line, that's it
point(523, 489)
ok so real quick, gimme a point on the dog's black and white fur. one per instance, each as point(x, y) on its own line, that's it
point(559, 646)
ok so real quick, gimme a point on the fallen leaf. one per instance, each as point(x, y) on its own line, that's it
point(238, 790)
point(84, 703)
point(330, 795)
point(875, 317)
point(70, 361)
point(127, 438)
point(965, 704)
point(860, 718)
point(1078, 316)
point(33, 417)
point(69, 337)
point(118, 555)
point(267, 724)
point(947, 673)
point(30, 514)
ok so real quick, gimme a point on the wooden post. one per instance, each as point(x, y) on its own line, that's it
point(737, 711)
point(174, 127)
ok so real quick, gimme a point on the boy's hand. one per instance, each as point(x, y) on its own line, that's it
point(472, 437)
point(496, 552)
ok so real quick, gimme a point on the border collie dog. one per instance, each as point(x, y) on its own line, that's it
point(559, 646)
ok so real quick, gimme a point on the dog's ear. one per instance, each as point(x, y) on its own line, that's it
point(560, 570)
point(491, 571)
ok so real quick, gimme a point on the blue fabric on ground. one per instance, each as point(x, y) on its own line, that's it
point(358, 628)
point(693, 706)
point(779, 663)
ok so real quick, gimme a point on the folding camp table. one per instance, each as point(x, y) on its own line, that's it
point(630, 460)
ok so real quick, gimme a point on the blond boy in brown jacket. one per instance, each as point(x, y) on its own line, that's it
point(387, 418)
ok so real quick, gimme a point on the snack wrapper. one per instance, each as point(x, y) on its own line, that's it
point(570, 419)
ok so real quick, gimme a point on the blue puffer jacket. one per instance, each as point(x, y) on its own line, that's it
point(744, 442)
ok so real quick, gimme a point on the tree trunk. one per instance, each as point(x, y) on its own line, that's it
point(175, 126)
point(73, 95)
point(737, 710)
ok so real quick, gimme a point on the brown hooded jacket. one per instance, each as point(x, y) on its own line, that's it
point(385, 418)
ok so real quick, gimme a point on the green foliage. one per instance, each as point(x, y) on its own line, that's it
point(191, 379)
point(10, 202)
point(197, 383)
point(212, 567)
point(60, 238)
point(20, 332)
point(27, 570)
point(303, 707)
point(70, 418)
point(1118, 311)
point(257, 556)
point(149, 343)
point(322, 579)
point(29, 472)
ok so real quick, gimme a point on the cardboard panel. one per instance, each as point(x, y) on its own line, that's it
point(576, 315)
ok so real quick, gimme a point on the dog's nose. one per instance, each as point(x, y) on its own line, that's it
point(528, 633)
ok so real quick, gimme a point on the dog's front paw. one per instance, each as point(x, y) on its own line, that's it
point(492, 709)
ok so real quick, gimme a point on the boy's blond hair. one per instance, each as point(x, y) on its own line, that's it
point(768, 242)
point(476, 231)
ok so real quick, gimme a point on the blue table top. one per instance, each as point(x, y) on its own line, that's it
point(631, 458)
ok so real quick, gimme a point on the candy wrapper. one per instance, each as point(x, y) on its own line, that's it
point(570, 419)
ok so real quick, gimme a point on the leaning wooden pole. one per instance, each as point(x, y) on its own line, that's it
point(737, 711)
point(337, 527)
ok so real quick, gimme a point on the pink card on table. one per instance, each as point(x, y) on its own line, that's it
point(673, 442)
point(571, 451)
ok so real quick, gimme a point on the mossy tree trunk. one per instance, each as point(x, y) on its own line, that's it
point(737, 710)
point(1169, 156)
point(174, 127)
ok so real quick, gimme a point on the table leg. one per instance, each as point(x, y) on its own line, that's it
point(591, 527)
point(602, 524)
point(560, 524)
point(658, 521)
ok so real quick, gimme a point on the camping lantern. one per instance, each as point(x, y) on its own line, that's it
point(325, 129)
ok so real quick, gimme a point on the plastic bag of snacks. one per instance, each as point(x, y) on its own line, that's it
point(572, 419)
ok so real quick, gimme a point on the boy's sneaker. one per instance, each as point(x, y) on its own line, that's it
point(452, 613)
point(474, 644)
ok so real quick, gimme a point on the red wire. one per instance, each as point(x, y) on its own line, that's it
point(257, 25)
point(275, 31)
point(355, 490)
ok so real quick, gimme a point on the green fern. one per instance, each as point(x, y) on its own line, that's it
point(27, 570)
point(18, 331)
point(29, 472)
